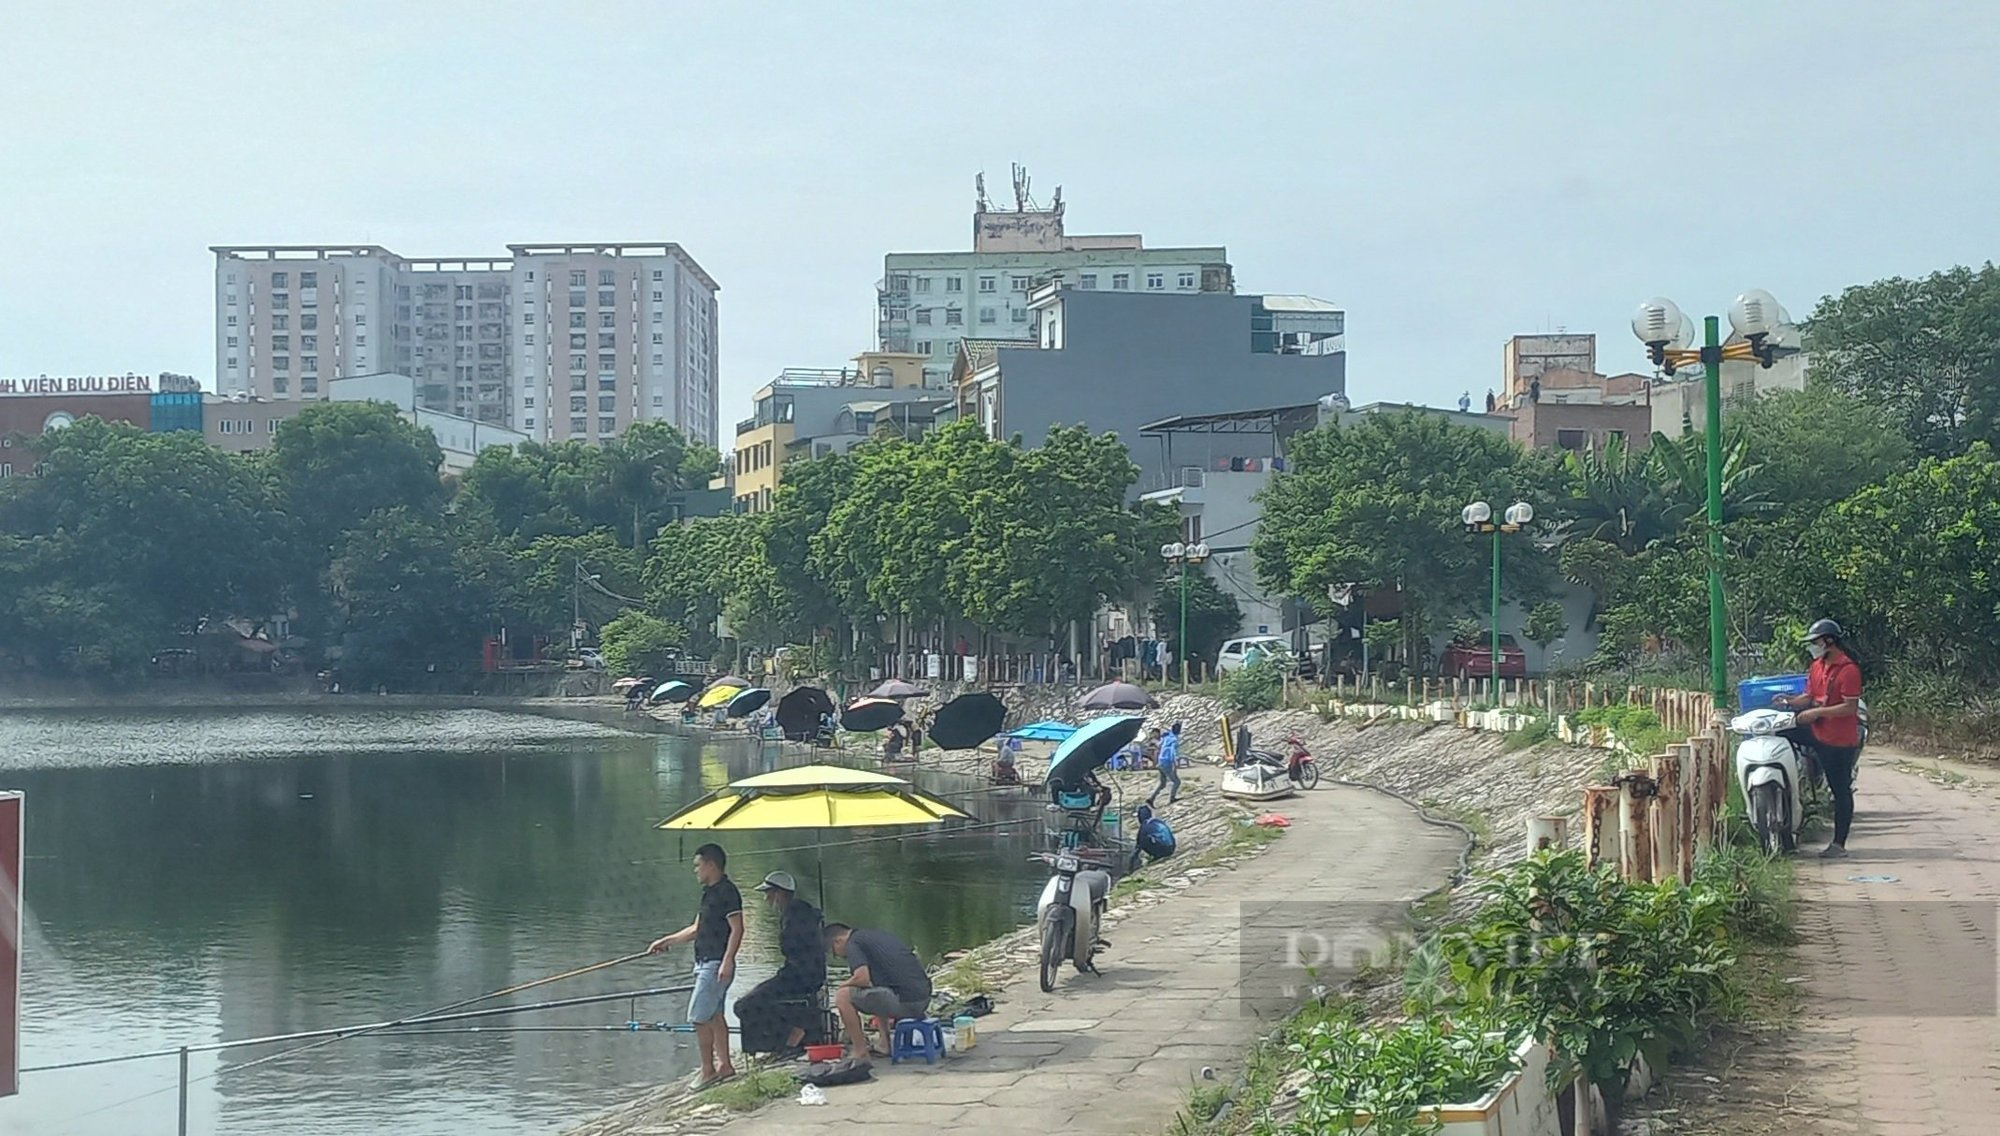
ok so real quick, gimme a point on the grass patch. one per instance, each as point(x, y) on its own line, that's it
point(1473, 819)
point(752, 1090)
point(1535, 733)
point(964, 979)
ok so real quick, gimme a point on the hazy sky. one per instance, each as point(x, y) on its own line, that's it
point(1450, 173)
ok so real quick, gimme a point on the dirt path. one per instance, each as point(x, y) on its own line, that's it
point(1899, 1034)
point(1180, 991)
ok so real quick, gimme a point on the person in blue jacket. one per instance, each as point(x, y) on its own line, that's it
point(1170, 760)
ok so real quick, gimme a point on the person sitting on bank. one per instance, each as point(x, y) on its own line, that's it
point(888, 982)
point(777, 1015)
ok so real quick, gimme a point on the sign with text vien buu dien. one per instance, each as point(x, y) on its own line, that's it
point(11, 858)
point(78, 384)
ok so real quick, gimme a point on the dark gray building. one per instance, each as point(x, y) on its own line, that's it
point(1116, 361)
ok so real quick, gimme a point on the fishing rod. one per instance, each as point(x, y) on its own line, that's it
point(353, 1032)
point(391, 1027)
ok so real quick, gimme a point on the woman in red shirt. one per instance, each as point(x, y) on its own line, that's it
point(1831, 705)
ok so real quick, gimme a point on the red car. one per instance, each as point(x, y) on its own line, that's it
point(1475, 660)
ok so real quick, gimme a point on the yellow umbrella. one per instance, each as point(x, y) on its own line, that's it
point(718, 695)
point(815, 796)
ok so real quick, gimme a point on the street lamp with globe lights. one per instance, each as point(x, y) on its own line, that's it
point(1478, 518)
point(1184, 555)
point(1759, 319)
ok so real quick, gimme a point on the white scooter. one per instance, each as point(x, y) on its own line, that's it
point(1070, 912)
point(1769, 770)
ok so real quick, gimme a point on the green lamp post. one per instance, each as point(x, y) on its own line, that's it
point(1667, 333)
point(1478, 518)
point(1184, 555)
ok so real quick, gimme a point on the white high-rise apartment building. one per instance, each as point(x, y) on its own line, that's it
point(556, 341)
point(930, 301)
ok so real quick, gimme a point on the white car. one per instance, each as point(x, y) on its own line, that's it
point(1238, 653)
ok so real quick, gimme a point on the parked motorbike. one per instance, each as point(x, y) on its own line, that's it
point(1071, 911)
point(1296, 763)
point(1770, 771)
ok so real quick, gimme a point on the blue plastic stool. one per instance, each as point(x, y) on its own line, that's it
point(916, 1037)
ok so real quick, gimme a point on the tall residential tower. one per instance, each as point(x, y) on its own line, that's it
point(556, 341)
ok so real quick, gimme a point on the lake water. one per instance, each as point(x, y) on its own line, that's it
point(210, 875)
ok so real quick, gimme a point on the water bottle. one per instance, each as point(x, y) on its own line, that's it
point(965, 1025)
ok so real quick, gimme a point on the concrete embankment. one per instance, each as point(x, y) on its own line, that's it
point(1175, 998)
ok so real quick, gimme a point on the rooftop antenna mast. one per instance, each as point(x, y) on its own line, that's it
point(1022, 201)
point(979, 184)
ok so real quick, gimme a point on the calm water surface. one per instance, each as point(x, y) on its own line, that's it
point(201, 876)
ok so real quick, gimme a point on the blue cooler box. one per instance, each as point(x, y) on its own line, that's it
point(1758, 693)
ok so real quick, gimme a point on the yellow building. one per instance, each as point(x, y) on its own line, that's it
point(815, 412)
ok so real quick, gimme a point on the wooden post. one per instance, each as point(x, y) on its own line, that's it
point(1722, 773)
point(1600, 825)
point(1547, 832)
point(1697, 837)
point(1683, 803)
point(1667, 860)
point(1635, 843)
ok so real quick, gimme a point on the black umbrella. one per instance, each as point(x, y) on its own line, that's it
point(967, 720)
point(800, 711)
point(1090, 748)
point(897, 688)
point(867, 715)
point(1118, 696)
point(748, 702)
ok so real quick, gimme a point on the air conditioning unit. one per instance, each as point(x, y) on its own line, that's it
point(1192, 476)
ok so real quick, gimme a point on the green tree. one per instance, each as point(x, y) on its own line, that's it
point(337, 462)
point(1926, 352)
point(127, 539)
point(1378, 502)
point(405, 597)
point(691, 571)
point(1546, 623)
point(1819, 446)
point(1213, 615)
point(1917, 559)
point(636, 643)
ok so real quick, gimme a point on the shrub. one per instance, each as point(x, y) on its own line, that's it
point(1607, 970)
point(1636, 727)
point(1389, 1074)
point(636, 643)
point(1259, 686)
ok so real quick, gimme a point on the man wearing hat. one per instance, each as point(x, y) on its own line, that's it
point(783, 1010)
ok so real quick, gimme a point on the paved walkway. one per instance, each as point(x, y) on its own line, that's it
point(1118, 1053)
point(1899, 958)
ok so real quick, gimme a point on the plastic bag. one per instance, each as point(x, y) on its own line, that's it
point(811, 1094)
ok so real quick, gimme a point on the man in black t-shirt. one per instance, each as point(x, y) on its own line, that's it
point(888, 982)
point(716, 934)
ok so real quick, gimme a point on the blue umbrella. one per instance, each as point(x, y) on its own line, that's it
point(748, 702)
point(674, 691)
point(1091, 747)
point(1048, 730)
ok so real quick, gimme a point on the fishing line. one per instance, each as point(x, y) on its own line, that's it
point(348, 1033)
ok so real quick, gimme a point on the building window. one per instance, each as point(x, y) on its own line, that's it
point(579, 403)
point(576, 279)
point(954, 284)
point(1121, 281)
point(923, 346)
point(1156, 280)
point(280, 302)
point(281, 343)
point(954, 317)
point(528, 400)
point(924, 316)
point(309, 322)
point(528, 319)
point(1020, 283)
point(280, 384)
point(1185, 280)
point(232, 361)
point(659, 337)
point(281, 279)
point(658, 295)
point(922, 284)
point(577, 363)
point(232, 320)
point(606, 424)
point(1088, 281)
point(607, 339)
point(607, 403)
point(281, 362)
point(607, 319)
point(528, 340)
point(308, 342)
point(578, 341)
point(576, 424)
point(659, 275)
point(309, 385)
point(659, 317)
point(1570, 439)
point(576, 321)
point(659, 400)
point(361, 319)
point(309, 364)
point(986, 283)
point(231, 342)
point(361, 341)
point(986, 315)
point(1020, 315)
point(606, 299)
